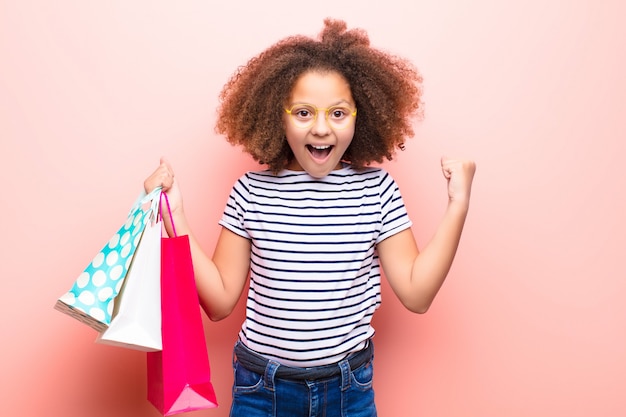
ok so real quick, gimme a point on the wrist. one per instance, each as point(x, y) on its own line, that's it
point(175, 222)
point(459, 205)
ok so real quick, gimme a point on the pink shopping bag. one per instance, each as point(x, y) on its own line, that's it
point(179, 376)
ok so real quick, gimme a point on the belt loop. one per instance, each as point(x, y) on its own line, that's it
point(270, 373)
point(344, 365)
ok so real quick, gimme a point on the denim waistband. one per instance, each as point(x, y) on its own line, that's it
point(257, 364)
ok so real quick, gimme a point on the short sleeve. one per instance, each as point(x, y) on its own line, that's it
point(394, 216)
point(233, 217)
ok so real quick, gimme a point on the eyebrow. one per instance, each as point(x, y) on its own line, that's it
point(337, 103)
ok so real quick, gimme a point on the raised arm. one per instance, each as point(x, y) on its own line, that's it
point(221, 279)
point(415, 276)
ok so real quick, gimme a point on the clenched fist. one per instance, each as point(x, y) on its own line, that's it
point(459, 174)
point(164, 176)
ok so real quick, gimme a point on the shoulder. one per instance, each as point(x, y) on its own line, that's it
point(368, 170)
point(377, 174)
point(252, 177)
point(260, 177)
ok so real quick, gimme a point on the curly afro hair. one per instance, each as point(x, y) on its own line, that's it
point(387, 90)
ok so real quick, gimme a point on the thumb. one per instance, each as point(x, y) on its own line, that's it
point(163, 161)
point(445, 167)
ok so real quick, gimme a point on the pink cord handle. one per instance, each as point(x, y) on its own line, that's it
point(169, 210)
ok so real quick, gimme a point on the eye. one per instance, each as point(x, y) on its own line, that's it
point(338, 113)
point(303, 113)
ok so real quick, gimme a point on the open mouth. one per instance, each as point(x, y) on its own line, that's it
point(319, 152)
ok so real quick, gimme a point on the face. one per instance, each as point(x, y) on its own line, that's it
point(318, 148)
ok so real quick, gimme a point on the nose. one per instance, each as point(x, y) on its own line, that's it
point(320, 126)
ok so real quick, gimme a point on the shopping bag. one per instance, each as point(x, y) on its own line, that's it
point(136, 320)
point(179, 376)
point(90, 300)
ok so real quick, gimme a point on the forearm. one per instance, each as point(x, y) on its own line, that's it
point(219, 280)
point(433, 263)
point(209, 284)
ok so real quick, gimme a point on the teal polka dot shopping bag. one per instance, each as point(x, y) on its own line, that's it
point(91, 298)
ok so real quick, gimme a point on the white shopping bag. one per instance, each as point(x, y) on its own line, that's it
point(136, 322)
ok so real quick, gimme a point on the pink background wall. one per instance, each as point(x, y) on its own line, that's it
point(532, 319)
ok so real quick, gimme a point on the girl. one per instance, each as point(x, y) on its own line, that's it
point(313, 230)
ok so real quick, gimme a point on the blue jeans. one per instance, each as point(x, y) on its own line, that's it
point(349, 394)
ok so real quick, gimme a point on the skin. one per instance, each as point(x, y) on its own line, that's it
point(415, 276)
point(323, 90)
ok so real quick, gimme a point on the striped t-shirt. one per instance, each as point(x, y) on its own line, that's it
point(314, 270)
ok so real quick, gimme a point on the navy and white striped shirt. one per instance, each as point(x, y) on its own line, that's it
point(314, 270)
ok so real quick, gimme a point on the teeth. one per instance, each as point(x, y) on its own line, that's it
point(320, 148)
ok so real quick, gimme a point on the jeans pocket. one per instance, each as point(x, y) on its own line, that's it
point(363, 376)
point(358, 399)
point(246, 380)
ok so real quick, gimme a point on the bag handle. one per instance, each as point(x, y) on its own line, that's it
point(151, 210)
point(144, 198)
point(169, 211)
point(155, 196)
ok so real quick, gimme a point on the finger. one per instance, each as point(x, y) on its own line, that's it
point(166, 173)
point(446, 167)
point(166, 179)
point(164, 161)
point(164, 164)
point(163, 176)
